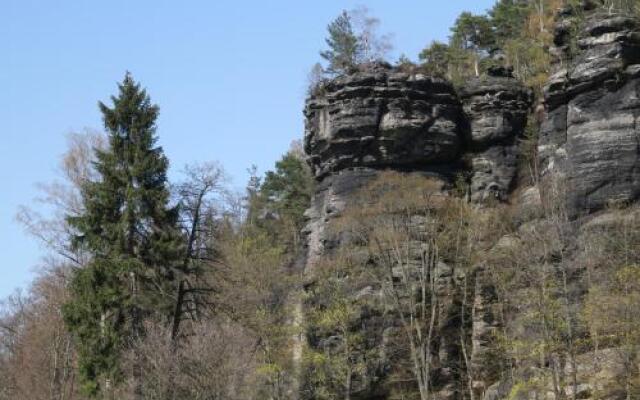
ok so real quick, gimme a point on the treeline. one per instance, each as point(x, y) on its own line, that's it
point(513, 33)
point(153, 289)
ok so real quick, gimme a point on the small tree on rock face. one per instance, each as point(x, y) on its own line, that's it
point(315, 78)
point(621, 6)
point(132, 236)
point(344, 48)
point(339, 360)
point(374, 47)
point(508, 18)
point(398, 237)
point(353, 40)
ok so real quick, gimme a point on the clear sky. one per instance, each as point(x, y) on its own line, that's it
point(229, 77)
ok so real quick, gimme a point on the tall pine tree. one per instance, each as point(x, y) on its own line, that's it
point(345, 50)
point(132, 235)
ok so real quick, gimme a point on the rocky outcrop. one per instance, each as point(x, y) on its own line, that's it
point(382, 119)
point(357, 126)
point(590, 138)
point(496, 108)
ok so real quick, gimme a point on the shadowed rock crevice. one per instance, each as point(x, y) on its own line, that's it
point(496, 108)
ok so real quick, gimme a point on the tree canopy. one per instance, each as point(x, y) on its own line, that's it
point(131, 232)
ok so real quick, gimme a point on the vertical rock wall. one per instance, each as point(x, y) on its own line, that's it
point(496, 108)
point(383, 119)
point(590, 137)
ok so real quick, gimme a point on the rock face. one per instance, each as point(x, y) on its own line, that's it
point(496, 108)
point(382, 119)
point(379, 119)
point(356, 127)
point(590, 137)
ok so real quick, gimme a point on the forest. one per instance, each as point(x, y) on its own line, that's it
point(189, 289)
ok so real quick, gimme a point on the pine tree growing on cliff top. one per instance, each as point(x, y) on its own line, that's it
point(436, 58)
point(130, 232)
point(508, 18)
point(474, 34)
point(344, 46)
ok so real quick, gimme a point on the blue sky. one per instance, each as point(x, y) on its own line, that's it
point(229, 77)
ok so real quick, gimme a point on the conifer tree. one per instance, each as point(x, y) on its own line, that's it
point(472, 33)
point(287, 192)
point(436, 58)
point(508, 18)
point(131, 233)
point(344, 47)
point(288, 188)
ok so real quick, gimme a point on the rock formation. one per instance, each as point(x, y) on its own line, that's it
point(384, 119)
point(589, 138)
point(357, 126)
point(496, 109)
point(381, 119)
point(589, 157)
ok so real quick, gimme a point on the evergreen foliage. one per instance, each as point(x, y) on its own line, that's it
point(287, 190)
point(123, 306)
point(516, 33)
point(352, 41)
point(344, 47)
point(131, 233)
point(508, 18)
point(436, 58)
point(472, 32)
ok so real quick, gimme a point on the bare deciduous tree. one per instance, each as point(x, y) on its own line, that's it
point(37, 358)
point(215, 362)
point(201, 200)
point(374, 47)
point(62, 198)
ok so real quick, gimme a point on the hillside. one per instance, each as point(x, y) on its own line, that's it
point(466, 227)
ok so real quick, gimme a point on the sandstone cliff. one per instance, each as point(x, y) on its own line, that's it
point(381, 119)
point(467, 139)
point(589, 136)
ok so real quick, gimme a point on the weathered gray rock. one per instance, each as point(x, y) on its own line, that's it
point(599, 374)
point(382, 118)
point(496, 108)
point(589, 147)
point(590, 139)
point(330, 198)
point(357, 126)
point(484, 331)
